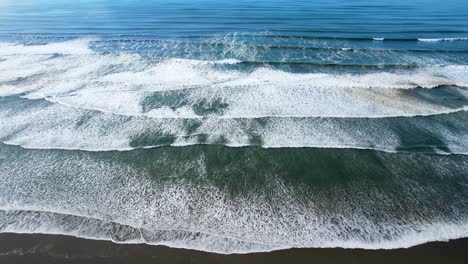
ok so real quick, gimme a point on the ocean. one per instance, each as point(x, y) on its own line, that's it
point(235, 126)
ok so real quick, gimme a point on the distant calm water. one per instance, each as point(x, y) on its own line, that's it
point(235, 126)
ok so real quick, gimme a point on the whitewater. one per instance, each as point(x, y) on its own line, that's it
point(238, 127)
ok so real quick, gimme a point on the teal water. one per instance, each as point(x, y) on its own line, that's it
point(235, 127)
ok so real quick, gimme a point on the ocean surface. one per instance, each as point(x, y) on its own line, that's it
point(235, 126)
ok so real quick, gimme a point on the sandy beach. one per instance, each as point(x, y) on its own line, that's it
point(26, 248)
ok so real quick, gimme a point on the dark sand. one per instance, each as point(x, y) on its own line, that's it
point(15, 248)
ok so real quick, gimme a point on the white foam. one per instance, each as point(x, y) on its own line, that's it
point(441, 39)
point(77, 46)
point(89, 81)
point(173, 74)
point(119, 86)
point(122, 202)
point(6, 90)
point(84, 200)
point(378, 39)
point(60, 127)
point(201, 62)
point(55, 224)
point(427, 78)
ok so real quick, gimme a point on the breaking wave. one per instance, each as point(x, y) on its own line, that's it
point(442, 39)
point(69, 73)
point(72, 97)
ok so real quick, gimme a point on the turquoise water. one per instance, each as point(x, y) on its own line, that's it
point(235, 127)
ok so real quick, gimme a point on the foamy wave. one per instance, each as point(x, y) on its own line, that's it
point(7, 90)
point(441, 39)
point(427, 77)
point(82, 199)
point(61, 127)
point(133, 109)
point(102, 101)
point(201, 62)
point(89, 81)
point(78, 46)
point(98, 229)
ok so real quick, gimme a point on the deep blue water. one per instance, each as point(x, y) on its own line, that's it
point(264, 31)
point(340, 19)
point(235, 126)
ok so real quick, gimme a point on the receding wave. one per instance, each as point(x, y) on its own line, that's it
point(102, 229)
point(43, 222)
point(370, 201)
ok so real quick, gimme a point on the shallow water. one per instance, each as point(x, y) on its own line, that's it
point(234, 127)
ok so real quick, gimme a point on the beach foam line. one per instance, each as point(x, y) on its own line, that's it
point(53, 228)
point(203, 241)
point(82, 199)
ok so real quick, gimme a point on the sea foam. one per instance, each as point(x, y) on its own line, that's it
point(96, 197)
point(77, 46)
point(63, 127)
point(136, 86)
point(441, 39)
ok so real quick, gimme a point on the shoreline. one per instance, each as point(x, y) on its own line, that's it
point(42, 248)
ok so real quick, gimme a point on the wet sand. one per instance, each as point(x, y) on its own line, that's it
point(27, 248)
